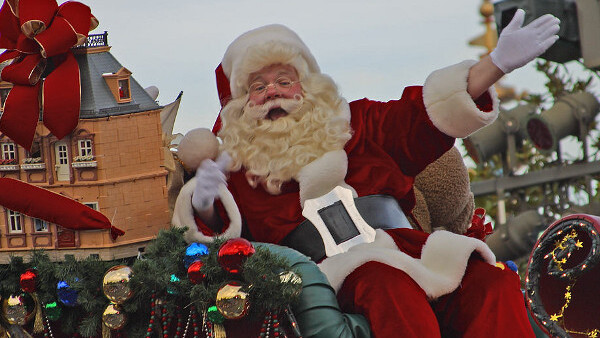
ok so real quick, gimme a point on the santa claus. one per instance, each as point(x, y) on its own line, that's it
point(289, 138)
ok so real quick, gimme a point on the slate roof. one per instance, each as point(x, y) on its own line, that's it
point(96, 99)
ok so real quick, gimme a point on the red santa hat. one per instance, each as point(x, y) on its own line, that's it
point(256, 49)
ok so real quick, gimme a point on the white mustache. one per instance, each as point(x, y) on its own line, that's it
point(259, 112)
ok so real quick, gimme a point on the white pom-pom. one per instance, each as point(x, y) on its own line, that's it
point(196, 146)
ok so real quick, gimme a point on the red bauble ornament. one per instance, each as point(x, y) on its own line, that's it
point(28, 280)
point(233, 253)
point(195, 273)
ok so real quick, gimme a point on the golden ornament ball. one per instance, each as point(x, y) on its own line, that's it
point(290, 277)
point(116, 284)
point(231, 302)
point(18, 309)
point(113, 317)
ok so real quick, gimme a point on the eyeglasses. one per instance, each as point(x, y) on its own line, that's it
point(282, 84)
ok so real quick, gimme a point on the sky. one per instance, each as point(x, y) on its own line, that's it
point(370, 48)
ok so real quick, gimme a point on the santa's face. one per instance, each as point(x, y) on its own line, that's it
point(272, 149)
point(273, 91)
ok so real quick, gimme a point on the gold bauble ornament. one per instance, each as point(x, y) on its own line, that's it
point(231, 302)
point(116, 284)
point(290, 277)
point(18, 309)
point(113, 317)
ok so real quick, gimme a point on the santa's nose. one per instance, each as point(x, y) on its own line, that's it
point(272, 92)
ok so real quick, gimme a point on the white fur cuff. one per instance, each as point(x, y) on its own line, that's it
point(183, 214)
point(450, 107)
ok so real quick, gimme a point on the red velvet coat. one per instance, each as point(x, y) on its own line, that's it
point(392, 142)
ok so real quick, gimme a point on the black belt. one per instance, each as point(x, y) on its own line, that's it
point(379, 211)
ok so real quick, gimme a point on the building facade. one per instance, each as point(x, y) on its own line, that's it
point(112, 162)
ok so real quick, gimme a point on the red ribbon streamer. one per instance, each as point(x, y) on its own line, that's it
point(52, 207)
point(36, 33)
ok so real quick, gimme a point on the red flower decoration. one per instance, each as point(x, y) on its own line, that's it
point(478, 229)
point(28, 280)
point(36, 33)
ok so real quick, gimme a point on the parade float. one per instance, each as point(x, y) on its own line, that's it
point(109, 264)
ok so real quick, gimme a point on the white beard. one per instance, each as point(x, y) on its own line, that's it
point(272, 152)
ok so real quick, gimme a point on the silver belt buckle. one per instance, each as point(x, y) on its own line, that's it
point(333, 246)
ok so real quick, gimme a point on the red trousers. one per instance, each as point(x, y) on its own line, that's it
point(488, 303)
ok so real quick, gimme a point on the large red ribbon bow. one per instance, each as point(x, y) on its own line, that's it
point(478, 228)
point(36, 34)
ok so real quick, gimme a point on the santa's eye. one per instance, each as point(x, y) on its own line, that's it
point(258, 87)
point(284, 82)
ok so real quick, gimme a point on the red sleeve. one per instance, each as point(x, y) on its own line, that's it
point(401, 128)
point(205, 229)
point(485, 102)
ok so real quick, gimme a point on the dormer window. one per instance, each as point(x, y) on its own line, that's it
point(124, 89)
point(119, 84)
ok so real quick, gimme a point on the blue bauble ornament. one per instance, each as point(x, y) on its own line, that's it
point(513, 266)
point(66, 294)
point(193, 253)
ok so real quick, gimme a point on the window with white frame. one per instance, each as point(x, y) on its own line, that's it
point(36, 150)
point(3, 96)
point(40, 225)
point(14, 222)
point(93, 205)
point(9, 151)
point(85, 147)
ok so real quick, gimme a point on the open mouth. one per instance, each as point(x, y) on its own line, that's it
point(276, 113)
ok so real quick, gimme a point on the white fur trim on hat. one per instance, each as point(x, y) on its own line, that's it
point(183, 214)
point(440, 270)
point(261, 47)
point(450, 107)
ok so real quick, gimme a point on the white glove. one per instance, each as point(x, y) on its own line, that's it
point(518, 45)
point(209, 176)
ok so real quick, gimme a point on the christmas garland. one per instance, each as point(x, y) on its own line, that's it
point(228, 279)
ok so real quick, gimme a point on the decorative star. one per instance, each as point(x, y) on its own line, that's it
point(579, 244)
point(555, 317)
point(558, 245)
